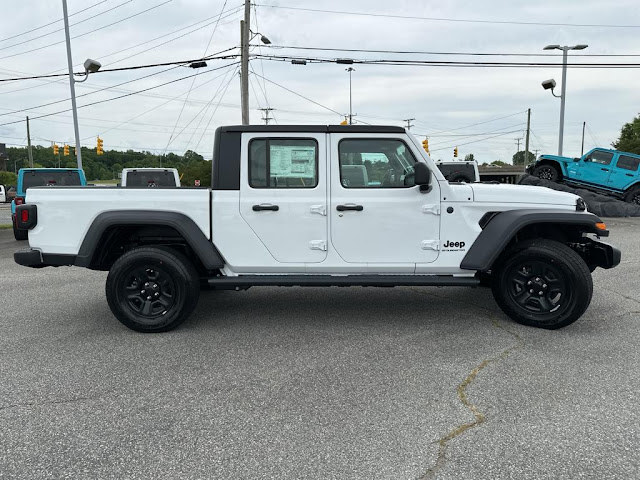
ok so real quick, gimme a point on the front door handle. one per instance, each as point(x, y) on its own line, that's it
point(343, 208)
point(259, 208)
point(604, 169)
point(629, 174)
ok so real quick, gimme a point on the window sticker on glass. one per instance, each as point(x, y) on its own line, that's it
point(287, 160)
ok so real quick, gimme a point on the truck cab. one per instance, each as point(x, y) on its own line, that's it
point(602, 170)
point(38, 177)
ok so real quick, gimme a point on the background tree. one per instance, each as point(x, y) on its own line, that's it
point(499, 163)
point(519, 158)
point(469, 157)
point(8, 178)
point(629, 140)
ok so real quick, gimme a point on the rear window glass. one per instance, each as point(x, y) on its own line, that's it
point(41, 178)
point(151, 179)
point(628, 163)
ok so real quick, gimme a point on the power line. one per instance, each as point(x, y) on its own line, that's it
point(445, 19)
point(478, 123)
point(468, 54)
point(120, 96)
point(466, 135)
point(89, 32)
point(62, 29)
point(474, 141)
point(51, 23)
point(300, 95)
point(443, 63)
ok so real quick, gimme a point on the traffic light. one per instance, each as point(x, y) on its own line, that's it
point(99, 149)
point(66, 151)
point(455, 152)
point(55, 149)
point(425, 145)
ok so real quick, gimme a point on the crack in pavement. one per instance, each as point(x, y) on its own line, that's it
point(479, 417)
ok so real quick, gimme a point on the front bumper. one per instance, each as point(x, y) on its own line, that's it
point(33, 258)
point(602, 254)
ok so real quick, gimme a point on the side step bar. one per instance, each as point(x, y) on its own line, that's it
point(246, 281)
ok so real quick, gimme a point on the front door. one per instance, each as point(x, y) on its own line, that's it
point(378, 215)
point(283, 194)
point(597, 167)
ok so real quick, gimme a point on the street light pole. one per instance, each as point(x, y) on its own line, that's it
point(350, 69)
point(565, 53)
point(72, 84)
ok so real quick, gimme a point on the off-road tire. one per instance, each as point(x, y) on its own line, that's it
point(19, 234)
point(152, 289)
point(542, 283)
point(547, 172)
point(633, 195)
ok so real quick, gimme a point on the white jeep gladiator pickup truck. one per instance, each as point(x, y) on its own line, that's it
point(321, 206)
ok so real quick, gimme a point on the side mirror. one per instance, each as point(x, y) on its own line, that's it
point(587, 159)
point(422, 174)
point(576, 159)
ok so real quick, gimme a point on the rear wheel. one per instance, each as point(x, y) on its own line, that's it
point(633, 195)
point(542, 283)
point(152, 289)
point(547, 172)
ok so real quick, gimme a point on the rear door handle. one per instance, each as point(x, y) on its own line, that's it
point(259, 208)
point(604, 169)
point(342, 208)
point(629, 174)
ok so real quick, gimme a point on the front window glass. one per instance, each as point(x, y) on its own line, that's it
point(375, 163)
point(603, 158)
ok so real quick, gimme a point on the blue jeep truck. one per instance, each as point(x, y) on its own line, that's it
point(604, 171)
point(41, 177)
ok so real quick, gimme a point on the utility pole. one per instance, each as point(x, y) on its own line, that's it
point(584, 124)
point(30, 153)
point(266, 117)
point(71, 84)
point(409, 124)
point(245, 26)
point(526, 142)
point(350, 69)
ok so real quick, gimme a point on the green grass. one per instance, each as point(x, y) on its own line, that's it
point(5, 226)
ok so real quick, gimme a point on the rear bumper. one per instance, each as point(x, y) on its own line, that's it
point(30, 257)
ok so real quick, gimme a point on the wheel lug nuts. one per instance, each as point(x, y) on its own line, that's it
point(540, 293)
point(142, 292)
point(529, 282)
point(544, 286)
point(149, 297)
point(531, 291)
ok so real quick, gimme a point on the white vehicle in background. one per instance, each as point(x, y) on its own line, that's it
point(3, 194)
point(465, 171)
point(150, 177)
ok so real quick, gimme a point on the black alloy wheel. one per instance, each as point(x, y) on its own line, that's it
point(152, 289)
point(546, 172)
point(542, 283)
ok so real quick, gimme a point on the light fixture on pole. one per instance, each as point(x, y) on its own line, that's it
point(90, 66)
point(350, 69)
point(550, 84)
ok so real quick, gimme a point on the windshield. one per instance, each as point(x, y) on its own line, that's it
point(43, 178)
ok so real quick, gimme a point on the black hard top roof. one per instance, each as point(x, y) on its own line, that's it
point(314, 128)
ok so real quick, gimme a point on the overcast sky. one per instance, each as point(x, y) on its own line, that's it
point(445, 101)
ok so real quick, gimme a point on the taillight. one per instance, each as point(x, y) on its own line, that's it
point(19, 201)
point(24, 215)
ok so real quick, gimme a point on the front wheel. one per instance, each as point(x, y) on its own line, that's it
point(152, 289)
point(633, 195)
point(542, 283)
point(547, 172)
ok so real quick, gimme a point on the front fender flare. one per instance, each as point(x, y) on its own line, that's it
point(503, 226)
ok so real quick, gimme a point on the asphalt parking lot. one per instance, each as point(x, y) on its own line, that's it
point(293, 383)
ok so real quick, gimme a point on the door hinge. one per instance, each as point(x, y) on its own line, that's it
point(318, 245)
point(430, 245)
point(319, 209)
point(434, 209)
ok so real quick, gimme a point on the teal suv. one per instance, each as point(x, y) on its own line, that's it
point(605, 171)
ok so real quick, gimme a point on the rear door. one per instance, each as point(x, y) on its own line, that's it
point(625, 172)
point(283, 194)
point(378, 215)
